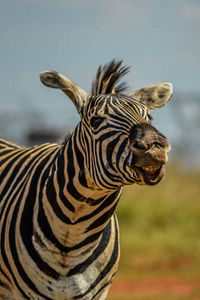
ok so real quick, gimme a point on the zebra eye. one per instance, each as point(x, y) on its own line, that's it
point(95, 122)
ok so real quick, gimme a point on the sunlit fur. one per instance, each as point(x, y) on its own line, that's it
point(59, 233)
point(112, 146)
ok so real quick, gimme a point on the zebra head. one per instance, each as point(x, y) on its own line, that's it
point(119, 143)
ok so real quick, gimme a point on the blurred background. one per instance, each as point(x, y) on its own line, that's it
point(160, 40)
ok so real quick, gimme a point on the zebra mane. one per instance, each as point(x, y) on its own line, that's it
point(107, 77)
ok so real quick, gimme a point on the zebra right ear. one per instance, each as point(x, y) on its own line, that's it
point(55, 80)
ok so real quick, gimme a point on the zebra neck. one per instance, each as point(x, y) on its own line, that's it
point(73, 207)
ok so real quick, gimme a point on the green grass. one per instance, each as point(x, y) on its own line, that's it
point(160, 232)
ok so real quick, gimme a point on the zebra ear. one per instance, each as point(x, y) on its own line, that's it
point(55, 80)
point(154, 96)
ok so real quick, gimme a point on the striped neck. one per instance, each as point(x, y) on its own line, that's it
point(73, 208)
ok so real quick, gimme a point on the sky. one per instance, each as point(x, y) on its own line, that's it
point(159, 39)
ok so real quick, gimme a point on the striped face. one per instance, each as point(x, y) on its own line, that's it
point(121, 146)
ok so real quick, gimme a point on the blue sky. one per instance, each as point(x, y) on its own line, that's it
point(159, 39)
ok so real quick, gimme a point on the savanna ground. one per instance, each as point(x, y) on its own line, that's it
point(160, 240)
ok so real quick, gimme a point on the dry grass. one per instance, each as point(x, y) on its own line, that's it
point(160, 237)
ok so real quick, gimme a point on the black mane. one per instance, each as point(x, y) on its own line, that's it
point(107, 77)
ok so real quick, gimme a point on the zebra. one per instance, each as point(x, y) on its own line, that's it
point(59, 231)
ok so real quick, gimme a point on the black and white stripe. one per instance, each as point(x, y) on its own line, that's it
point(59, 234)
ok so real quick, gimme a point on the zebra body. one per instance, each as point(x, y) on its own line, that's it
point(54, 257)
point(59, 233)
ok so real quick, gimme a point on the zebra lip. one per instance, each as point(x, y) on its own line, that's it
point(150, 174)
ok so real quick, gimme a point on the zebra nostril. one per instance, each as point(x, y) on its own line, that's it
point(139, 146)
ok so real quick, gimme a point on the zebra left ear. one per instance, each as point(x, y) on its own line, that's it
point(55, 80)
point(154, 96)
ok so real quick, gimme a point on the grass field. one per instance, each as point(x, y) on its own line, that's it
point(160, 240)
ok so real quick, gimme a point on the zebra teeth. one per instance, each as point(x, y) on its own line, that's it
point(151, 169)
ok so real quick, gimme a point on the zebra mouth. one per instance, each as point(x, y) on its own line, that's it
point(150, 175)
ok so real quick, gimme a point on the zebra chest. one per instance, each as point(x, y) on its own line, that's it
point(75, 277)
point(89, 278)
point(80, 286)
